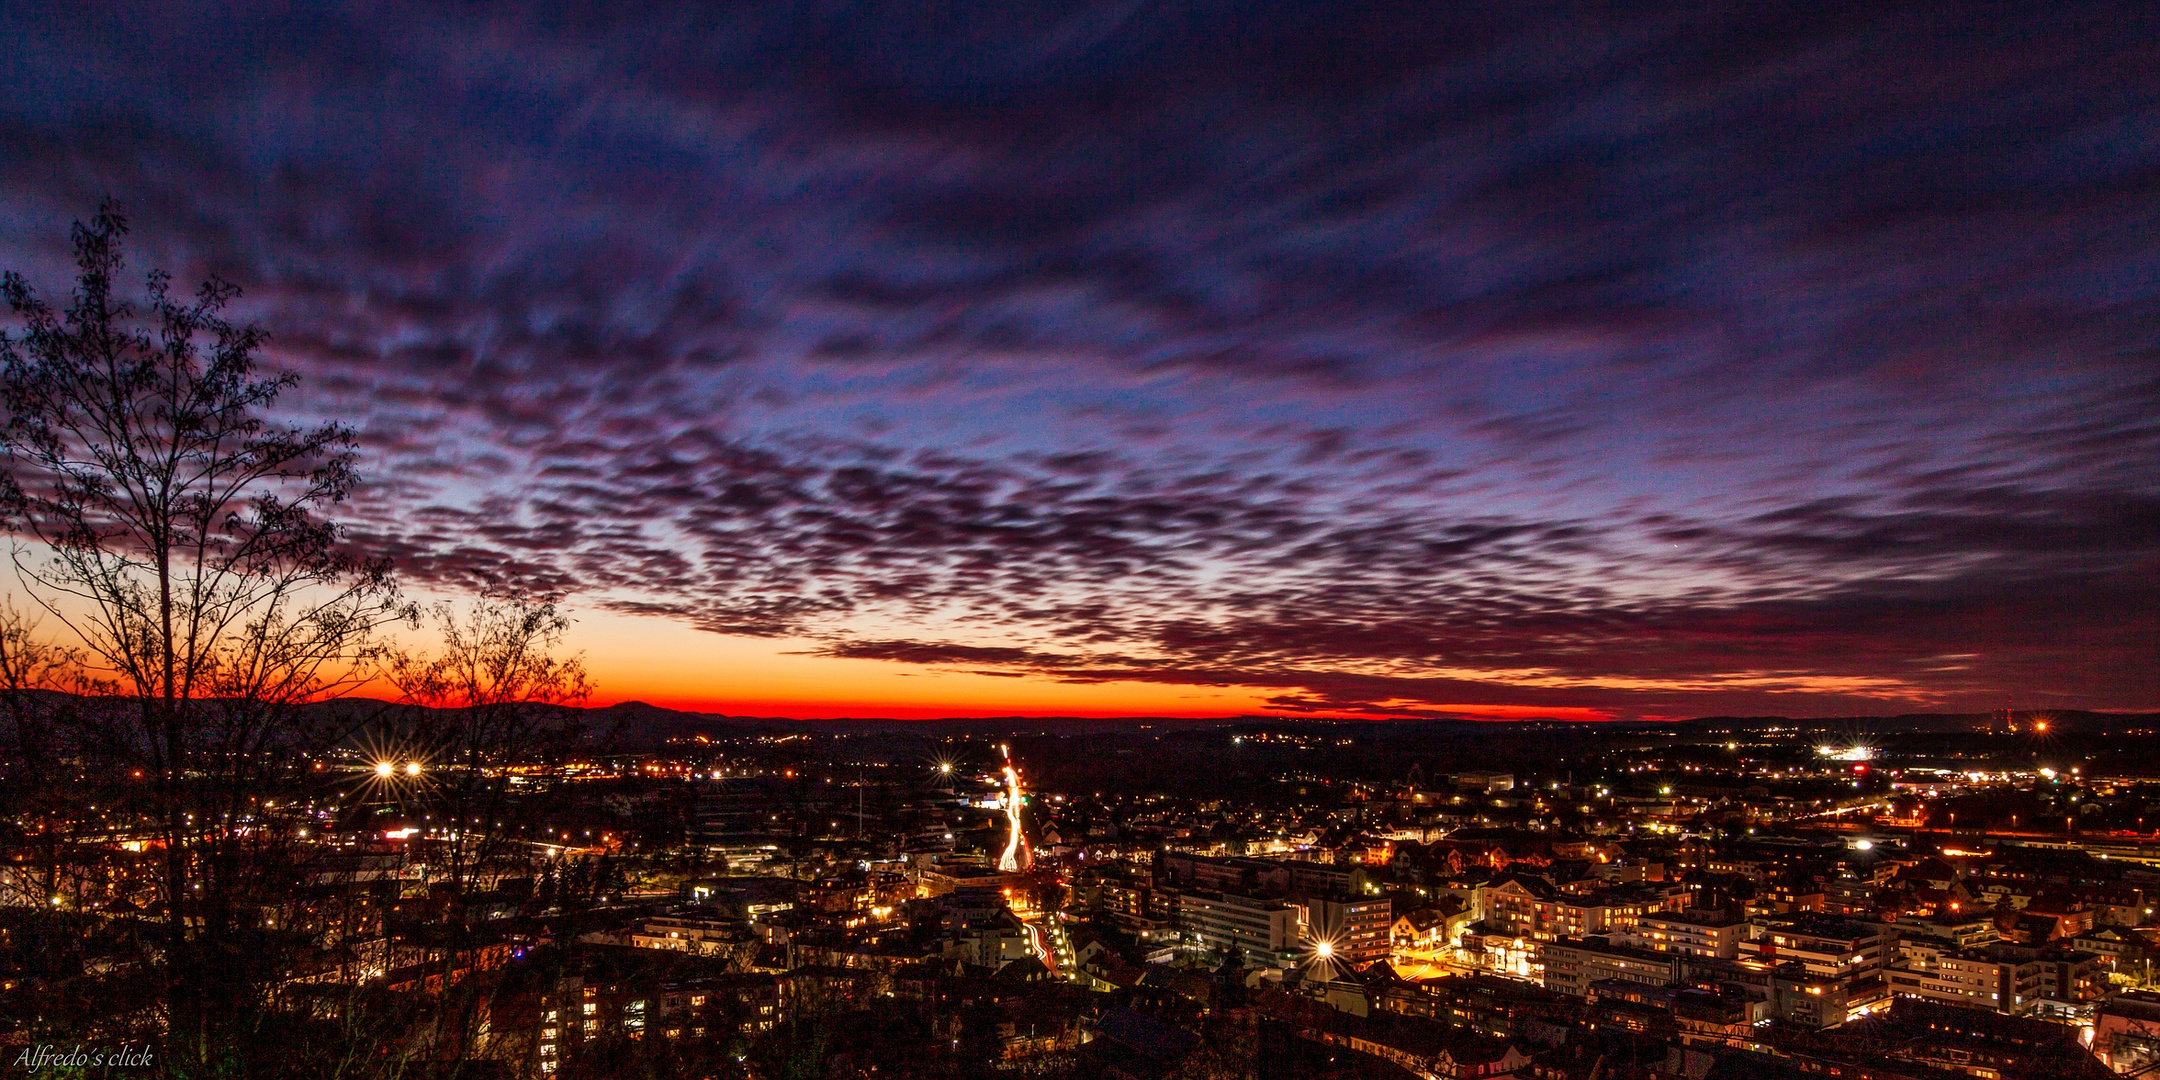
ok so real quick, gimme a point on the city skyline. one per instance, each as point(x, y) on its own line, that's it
point(1188, 360)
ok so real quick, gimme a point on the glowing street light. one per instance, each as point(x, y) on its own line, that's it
point(412, 768)
point(385, 768)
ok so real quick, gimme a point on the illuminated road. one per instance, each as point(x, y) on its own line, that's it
point(1015, 857)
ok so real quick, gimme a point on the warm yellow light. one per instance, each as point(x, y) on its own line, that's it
point(412, 768)
point(1324, 950)
point(384, 768)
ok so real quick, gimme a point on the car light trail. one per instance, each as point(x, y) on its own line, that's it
point(1015, 858)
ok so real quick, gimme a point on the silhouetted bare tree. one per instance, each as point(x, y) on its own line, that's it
point(492, 720)
point(180, 538)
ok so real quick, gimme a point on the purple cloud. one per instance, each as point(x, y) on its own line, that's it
point(1390, 356)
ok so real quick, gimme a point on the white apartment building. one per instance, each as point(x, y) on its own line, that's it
point(1830, 948)
point(1571, 965)
point(1690, 933)
point(692, 934)
point(1227, 920)
point(1967, 978)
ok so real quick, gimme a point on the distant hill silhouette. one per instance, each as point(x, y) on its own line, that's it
point(635, 725)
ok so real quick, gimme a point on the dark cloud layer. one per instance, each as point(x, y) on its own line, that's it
point(1392, 357)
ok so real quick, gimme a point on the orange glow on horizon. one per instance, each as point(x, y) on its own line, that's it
point(672, 665)
point(815, 709)
point(1522, 712)
point(1164, 702)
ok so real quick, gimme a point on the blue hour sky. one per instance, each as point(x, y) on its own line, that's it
point(1345, 359)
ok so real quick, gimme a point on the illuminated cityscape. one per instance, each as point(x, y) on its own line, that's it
point(1446, 898)
point(1335, 540)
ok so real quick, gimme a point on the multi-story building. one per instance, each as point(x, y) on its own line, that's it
point(1259, 927)
point(1530, 907)
point(696, 933)
point(1325, 879)
point(1484, 782)
point(1789, 892)
point(1967, 978)
point(2071, 981)
point(944, 876)
point(576, 1011)
point(1433, 927)
point(1258, 877)
point(1136, 906)
point(1957, 931)
point(2011, 979)
point(1240, 876)
point(1572, 965)
point(1828, 947)
point(1797, 997)
point(1691, 933)
point(2114, 946)
point(1356, 929)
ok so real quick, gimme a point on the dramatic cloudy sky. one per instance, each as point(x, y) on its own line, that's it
point(917, 358)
